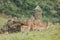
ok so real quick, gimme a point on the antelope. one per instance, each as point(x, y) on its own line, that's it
point(39, 25)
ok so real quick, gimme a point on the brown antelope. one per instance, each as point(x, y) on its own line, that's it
point(33, 25)
point(39, 25)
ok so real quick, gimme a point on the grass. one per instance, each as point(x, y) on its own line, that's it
point(2, 21)
point(53, 33)
point(48, 34)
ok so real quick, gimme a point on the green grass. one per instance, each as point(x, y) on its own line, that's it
point(53, 33)
point(2, 21)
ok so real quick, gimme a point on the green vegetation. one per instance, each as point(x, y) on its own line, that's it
point(25, 8)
